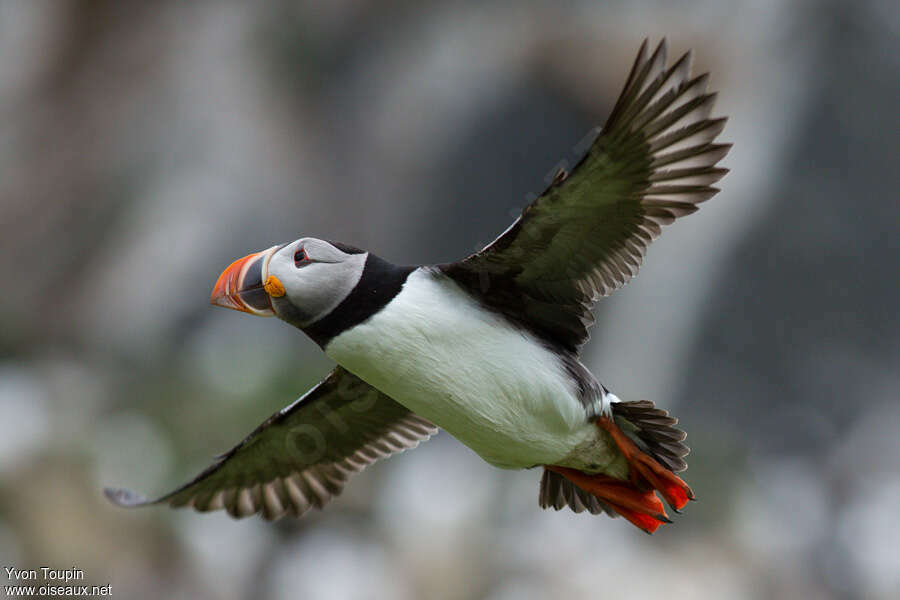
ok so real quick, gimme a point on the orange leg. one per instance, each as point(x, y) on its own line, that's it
point(645, 468)
point(641, 508)
point(646, 523)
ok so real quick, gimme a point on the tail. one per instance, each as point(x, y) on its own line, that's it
point(655, 451)
point(653, 431)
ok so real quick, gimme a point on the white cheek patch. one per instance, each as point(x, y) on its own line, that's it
point(319, 287)
point(323, 252)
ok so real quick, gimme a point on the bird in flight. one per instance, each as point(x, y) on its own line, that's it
point(486, 348)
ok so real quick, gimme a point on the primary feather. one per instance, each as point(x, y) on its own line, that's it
point(586, 235)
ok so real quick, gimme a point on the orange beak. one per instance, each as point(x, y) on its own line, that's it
point(240, 286)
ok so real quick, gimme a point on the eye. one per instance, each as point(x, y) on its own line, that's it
point(300, 257)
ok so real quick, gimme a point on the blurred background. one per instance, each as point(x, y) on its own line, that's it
point(143, 146)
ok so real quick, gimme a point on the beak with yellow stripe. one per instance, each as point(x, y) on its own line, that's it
point(246, 285)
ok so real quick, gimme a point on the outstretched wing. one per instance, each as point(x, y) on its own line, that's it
point(302, 455)
point(585, 236)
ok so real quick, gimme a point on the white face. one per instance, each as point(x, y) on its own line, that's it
point(316, 277)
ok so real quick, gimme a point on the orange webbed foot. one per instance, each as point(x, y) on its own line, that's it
point(644, 468)
point(634, 498)
point(640, 507)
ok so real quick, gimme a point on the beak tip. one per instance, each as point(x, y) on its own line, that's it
point(223, 301)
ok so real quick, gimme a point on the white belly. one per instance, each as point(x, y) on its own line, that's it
point(491, 385)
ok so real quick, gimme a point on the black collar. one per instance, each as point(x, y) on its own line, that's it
point(380, 282)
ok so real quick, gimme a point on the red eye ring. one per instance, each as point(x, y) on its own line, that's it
point(300, 257)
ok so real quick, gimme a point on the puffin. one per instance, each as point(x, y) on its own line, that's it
point(486, 348)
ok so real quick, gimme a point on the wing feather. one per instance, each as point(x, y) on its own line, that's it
point(302, 456)
point(586, 235)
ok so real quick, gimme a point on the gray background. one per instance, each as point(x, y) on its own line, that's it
point(143, 146)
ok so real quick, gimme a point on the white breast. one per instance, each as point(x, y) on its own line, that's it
point(491, 385)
